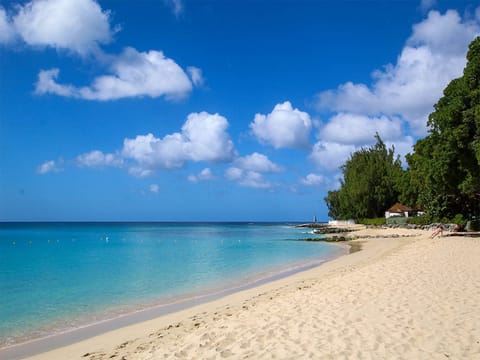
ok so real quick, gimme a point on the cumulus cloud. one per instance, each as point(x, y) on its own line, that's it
point(247, 178)
point(79, 26)
point(426, 5)
point(313, 180)
point(257, 162)
point(47, 84)
point(248, 171)
point(330, 155)
point(284, 127)
point(154, 188)
point(403, 146)
point(48, 166)
point(255, 180)
point(139, 171)
point(203, 137)
point(196, 75)
point(205, 174)
point(432, 57)
point(7, 32)
point(97, 158)
point(206, 138)
point(233, 173)
point(82, 27)
point(134, 74)
point(339, 128)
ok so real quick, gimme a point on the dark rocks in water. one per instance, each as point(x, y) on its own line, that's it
point(323, 228)
point(331, 230)
point(312, 225)
point(329, 239)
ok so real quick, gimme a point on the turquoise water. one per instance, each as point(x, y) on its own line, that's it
point(57, 276)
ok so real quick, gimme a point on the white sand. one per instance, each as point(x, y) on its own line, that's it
point(403, 298)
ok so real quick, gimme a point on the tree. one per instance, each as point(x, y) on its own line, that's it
point(445, 165)
point(369, 184)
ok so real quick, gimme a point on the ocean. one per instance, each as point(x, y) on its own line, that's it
point(59, 276)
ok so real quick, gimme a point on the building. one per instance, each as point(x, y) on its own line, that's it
point(402, 210)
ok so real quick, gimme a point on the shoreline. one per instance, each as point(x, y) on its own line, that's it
point(400, 297)
point(67, 337)
point(77, 349)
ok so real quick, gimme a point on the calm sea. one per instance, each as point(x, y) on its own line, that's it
point(58, 276)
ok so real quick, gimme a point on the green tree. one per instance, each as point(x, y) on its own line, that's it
point(445, 165)
point(369, 184)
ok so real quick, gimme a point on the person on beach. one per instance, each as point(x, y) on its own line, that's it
point(437, 231)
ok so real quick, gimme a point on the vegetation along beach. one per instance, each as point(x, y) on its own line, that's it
point(184, 179)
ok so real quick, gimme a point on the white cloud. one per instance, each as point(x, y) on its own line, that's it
point(79, 26)
point(313, 180)
point(255, 180)
point(233, 173)
point(48, 166)
point(7, 32)
point(347, 128)
point(204, 137)
point(330, 155)
point(97, 158)
point(154, 188)
point(196, 75)
point(82, 27)
point(138, 171)
point(205, 174)
point(247, 178)
point(176, 6)
point(426, 5)
point(135, 74)
point(258, 163)
point(150, 152)
point(402, 146)
point(284, 127)
point(248, 171)
point(46, 84)
point(431, 58)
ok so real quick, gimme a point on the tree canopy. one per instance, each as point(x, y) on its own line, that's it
point(369, 183)
point(445, 165)
point(443, 174)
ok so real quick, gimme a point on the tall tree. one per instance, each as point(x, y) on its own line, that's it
point(369, 184)
point(445, 165)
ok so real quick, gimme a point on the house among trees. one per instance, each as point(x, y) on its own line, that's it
point(402, 210)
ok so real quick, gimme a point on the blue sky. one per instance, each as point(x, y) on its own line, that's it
point(183, 110)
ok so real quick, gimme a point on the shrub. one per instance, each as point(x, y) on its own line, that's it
point(374, 221)
point(458, 219)
point(397, 220)
point(419, 220)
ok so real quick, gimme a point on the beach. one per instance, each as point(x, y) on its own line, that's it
point(407, 296)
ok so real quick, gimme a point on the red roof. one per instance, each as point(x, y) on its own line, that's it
point(399, 208)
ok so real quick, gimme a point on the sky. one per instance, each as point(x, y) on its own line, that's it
point(196, 110)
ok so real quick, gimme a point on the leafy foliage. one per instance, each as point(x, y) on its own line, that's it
point(419, 220)
point(443, 177)
point(373, 222)
point(445, 165)
point(369, 184)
